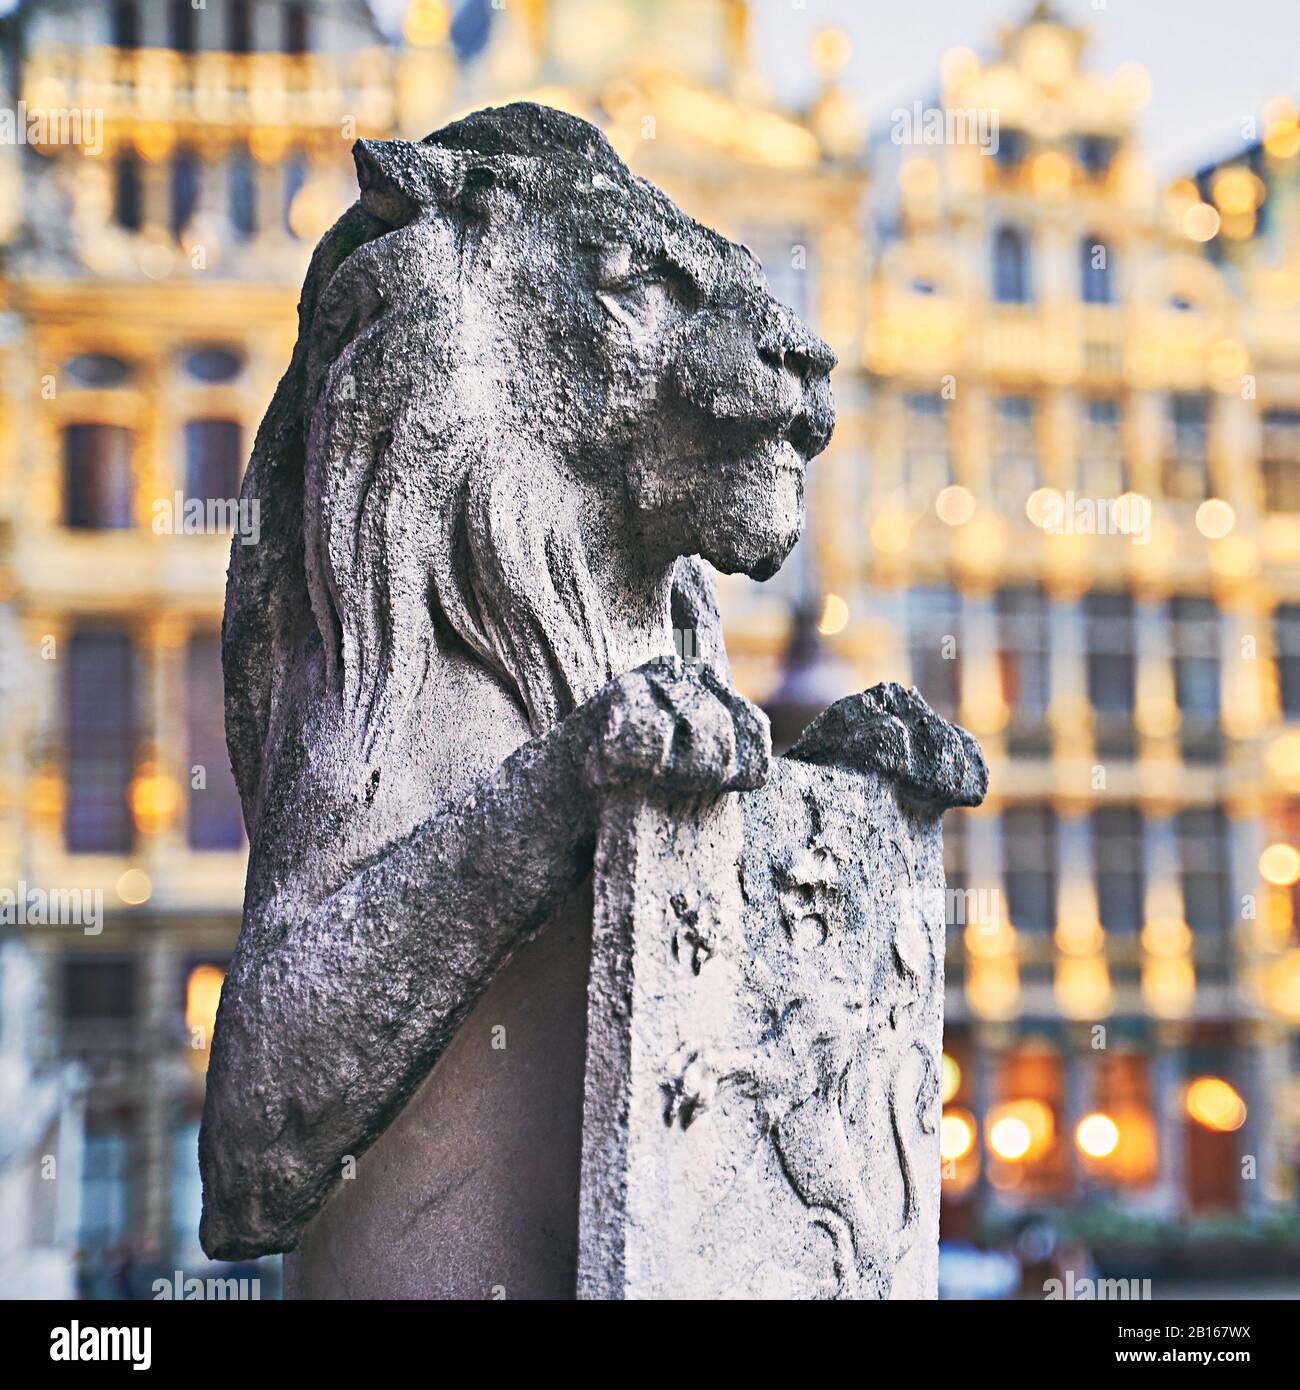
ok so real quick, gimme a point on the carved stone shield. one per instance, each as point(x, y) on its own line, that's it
point(763, 1042)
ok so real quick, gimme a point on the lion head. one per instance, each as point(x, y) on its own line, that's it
point(517, 362)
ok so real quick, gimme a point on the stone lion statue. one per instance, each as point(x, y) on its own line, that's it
point(530, 399)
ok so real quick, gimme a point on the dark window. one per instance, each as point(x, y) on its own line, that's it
point(214, 364)
point(1011, 148)
point(1288, 828)
point(181, 28)
point(1286, 639)
point(1211, 1159)
point(1096, 275)
point(125, 31)
point(1112, 669)
point(215, 821)
point(98, 989)
point(1029, 863)
point(213, 458)
point(1096, 153)
point(98, 369)
point(1118, 867)
point(97, 485)
point(239, 26)
point(1024, 659)
point(1011, 278)
point(1203, 855)
point(100, 741)
point(128, 201)
point(1185, 472)
point(243, 194)
point(295, 28)
point(186, 174)
point(932, 626)
point(1194, 628)
point(1280, 461)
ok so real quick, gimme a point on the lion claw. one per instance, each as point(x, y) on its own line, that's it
point(674, 724)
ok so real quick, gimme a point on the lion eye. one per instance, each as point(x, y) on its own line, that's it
point(613, 267)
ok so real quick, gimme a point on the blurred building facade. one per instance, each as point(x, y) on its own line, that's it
point(1077, 531)
point(152, 262)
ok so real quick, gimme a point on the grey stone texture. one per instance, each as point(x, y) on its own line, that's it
point(765, 1021)
point(550, 981)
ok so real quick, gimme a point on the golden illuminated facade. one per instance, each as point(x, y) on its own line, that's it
point(152, 260)
point(1076, 527)
point(1036, 341)
point(180, 163)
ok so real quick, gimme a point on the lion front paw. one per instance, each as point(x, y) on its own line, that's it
point(892, 730)
point(674, 724)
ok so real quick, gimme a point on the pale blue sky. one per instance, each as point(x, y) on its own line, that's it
point(1212, 62)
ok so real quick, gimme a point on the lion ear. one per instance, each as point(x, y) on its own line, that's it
point(397, 178)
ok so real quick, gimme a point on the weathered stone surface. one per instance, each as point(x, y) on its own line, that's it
point(765, 1024)
point(531, 405)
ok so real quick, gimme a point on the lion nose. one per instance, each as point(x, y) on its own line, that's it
point(802, 353)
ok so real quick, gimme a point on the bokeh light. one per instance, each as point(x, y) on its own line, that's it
point(835, 616)
point(1097, 1135)
point(1215, 518)
point(955, 505)
point(1280, 864)
point(1212, 1102)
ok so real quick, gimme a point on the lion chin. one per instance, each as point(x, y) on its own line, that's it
point(756, 512)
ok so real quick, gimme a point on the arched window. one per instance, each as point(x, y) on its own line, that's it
point(1011, 278)
point(1096, 154)
point(1096, 276)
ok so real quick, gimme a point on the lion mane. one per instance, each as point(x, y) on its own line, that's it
point(342, 572)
